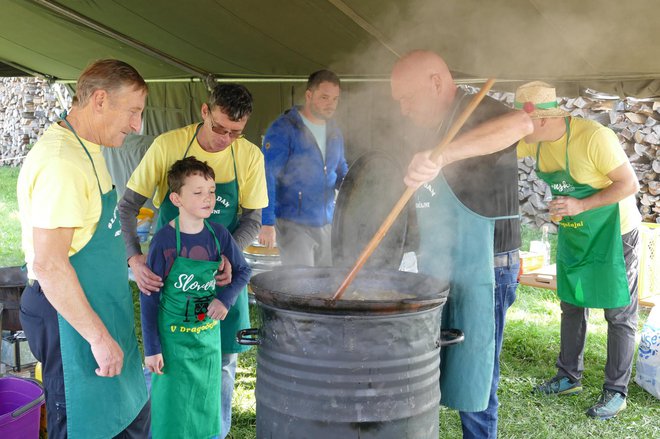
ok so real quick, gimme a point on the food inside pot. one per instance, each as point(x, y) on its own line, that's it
point(375, 295)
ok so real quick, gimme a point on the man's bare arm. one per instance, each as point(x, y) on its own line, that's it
point(489, 137)
point(60, 284)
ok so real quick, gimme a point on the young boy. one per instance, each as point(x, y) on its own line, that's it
point(180, 324)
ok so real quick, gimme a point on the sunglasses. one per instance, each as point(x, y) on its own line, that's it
point(222, 131)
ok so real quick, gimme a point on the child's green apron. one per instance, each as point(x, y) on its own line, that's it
point(225, 213)
point(185, 400)
point(591, 271)
point(101, 407)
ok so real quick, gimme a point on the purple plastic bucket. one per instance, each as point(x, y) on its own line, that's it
point(20, 402)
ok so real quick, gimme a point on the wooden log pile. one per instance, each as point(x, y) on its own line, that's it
point(636, 123)
point(27, 107)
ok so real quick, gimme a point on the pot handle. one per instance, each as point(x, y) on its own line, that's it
point(449, 337)
point(248, 337)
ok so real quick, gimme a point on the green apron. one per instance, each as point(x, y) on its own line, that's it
point(185, 398)
point(591, 271)
point(225, 213)
point(101, 407)
point(457, 244)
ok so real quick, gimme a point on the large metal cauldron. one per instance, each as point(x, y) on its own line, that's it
point(356, 369)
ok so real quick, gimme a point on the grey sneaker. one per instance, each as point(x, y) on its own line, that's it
point(558, 386)
point(608, 406)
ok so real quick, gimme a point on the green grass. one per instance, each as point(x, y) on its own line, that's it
point(531, 344)
point(530, 348)
point(10, 226)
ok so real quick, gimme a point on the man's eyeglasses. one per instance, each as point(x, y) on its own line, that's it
point(222, 131)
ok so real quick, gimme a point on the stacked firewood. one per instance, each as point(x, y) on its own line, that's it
point(636, 123)
point(27, 107)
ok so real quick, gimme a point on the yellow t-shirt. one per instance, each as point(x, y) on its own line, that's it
point(594, 151)
point(150, 177)
point(57, 187)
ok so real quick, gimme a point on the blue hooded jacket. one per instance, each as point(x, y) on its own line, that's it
point(301, 187)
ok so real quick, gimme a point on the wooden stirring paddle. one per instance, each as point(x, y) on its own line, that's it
point(398, 207)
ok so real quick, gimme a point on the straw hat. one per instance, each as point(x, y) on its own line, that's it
point(539, 100)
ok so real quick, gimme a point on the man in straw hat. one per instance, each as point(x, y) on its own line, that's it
point(594, 188)
point(469, 226)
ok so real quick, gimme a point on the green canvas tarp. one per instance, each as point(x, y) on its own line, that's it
point(272, 45)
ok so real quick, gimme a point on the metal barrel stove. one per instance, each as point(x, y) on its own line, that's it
point(364, 367)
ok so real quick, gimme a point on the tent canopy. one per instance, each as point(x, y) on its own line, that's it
point(608, 46)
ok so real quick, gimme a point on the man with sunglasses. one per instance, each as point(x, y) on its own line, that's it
point(240, 196)
point(304, 154)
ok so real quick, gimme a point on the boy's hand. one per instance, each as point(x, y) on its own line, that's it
point(223, 277)
point(216, 310)
point(154, 363)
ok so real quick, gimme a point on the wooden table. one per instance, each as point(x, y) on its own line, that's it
point(546, 277)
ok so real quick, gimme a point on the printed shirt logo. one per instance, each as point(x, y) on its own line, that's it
point(195, 329)
point(113, 219)
point(200, 307)
point(429, 188)
point(187, 282)
point(196, 306)
point(571, 224)
point(425, 204)
point(563, 187)
point(221, 201)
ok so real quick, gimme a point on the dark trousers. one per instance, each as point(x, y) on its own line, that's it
point(481, 425)
point(39, 321)
point(621, 328)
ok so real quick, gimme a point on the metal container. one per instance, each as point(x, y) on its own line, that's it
point(12, 284)
point(372, 186)
point(357, 368)
point(261, 258)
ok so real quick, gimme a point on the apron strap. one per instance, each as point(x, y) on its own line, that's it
point(208, 226)
point(178, 236)
point(63, 118)
point(217, 243)
point(233, 159)
point(506, 217)
point(199, 126)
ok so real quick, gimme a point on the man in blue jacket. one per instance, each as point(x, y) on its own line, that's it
point(304, 156)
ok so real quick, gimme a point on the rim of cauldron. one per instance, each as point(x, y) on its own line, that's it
point(270, 288)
